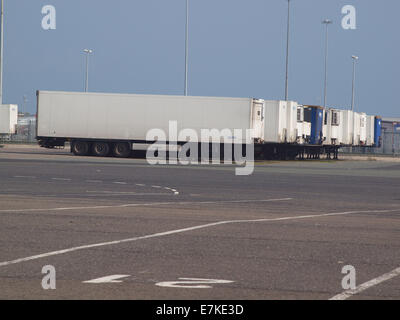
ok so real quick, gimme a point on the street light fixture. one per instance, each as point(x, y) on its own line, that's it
point(327, 22)
point(355, 58)
point(87, 52)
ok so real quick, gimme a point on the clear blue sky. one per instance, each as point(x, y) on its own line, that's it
point(237, 49)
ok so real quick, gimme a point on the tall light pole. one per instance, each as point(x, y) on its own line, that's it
point(1, 51)
point(355, 58)
point(186, 48)
point(287, 54)
point(87, 52)
point(327, 22)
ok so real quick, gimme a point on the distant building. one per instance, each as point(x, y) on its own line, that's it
point(391, 124)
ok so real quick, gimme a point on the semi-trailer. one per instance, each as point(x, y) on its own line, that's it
point(103, 123)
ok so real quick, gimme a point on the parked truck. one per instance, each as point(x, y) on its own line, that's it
point(101, 123)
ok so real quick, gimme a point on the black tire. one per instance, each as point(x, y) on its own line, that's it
point(101, 149)
point(80, 148)
point(122, 150)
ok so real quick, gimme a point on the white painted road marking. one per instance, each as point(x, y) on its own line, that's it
point(30, 177)
point(167, 233)
point(61, 179)
point(192, 283)
point(349, 293)
point(123, 193)
point(109, 279)
point(141, 205)
point(119, 182)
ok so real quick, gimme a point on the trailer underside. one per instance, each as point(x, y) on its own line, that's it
point(262, 151)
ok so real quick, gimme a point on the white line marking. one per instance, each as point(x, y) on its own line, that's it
point(129, 194)
point(116, 192)
point(140, 184)
point(61, 179)
point(119, 182)
point(140, 205)
point(167, 233)
point(349, 293)
point(192, 283)
point(30, 177)
point(109, 279)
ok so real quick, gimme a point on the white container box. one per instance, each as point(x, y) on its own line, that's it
point(370, 130)
point(348, 127)
point(333, 127)
point(280, 121)
point(357, 129)
point(303, 127)
point(363, 129)
point(8, 118)
point(105, 116)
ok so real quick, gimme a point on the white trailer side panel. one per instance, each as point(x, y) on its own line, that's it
point(292, 122)
point(348, 127)
point(8, 118)
point(336, 127)
point(363, 128)
point(357, 129)
point(327, 127)
point(370, 130)
point(130, 117)
point(280, 121)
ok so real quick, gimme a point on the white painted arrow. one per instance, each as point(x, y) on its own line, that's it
point(109, 279)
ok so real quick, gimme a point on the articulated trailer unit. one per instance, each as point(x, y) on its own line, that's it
point(104, 124)
point(111, 124)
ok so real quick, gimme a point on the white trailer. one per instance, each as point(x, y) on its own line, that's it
point(363, 129)
point(303, 127)
point(8, 119)
point(348, 127)
point(100, 122)
point(332, 127)
point(370, 139)
point(280, 121)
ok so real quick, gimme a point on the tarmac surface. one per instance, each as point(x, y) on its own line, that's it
point(124, 229)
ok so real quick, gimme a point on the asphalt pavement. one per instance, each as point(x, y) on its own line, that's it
point(124, 229)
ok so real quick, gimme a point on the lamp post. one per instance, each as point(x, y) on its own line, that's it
point(1, 50)
point(327, 22)
point(87, 52)
point(287, 54)
point(186, 48)
point(355, 58)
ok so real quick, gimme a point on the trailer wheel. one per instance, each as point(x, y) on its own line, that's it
point(80, 148)
point(101, 149)
point(122, 150)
